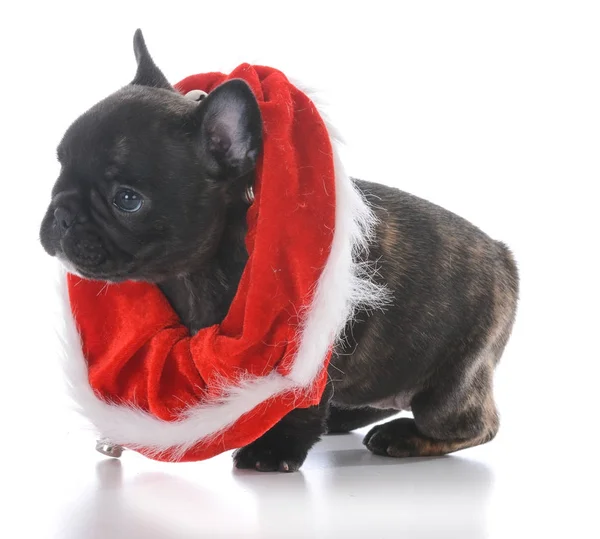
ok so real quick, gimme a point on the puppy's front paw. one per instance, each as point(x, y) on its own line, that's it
point(269, 458)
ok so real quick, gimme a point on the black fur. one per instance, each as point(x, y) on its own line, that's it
point(434, 348)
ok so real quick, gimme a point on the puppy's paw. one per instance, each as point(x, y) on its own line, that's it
point(274, 458)
point(398, 438)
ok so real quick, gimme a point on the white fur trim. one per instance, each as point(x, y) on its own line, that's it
point(343, 286)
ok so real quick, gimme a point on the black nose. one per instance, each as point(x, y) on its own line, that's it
point(64, 218)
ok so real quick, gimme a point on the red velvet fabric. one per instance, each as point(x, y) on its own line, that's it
point(136, 348)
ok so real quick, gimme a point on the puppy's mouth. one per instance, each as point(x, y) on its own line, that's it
point(95, 274)
point(91, 274)
point(90, 260)
point(83, 253)
point(83, 250)
point(87, 251)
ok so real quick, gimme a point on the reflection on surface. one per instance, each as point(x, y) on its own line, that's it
point(343, 491)
point(352, 492)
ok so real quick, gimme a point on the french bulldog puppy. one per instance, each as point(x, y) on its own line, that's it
point(152, 187)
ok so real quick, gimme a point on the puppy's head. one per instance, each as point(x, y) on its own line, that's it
point(148, 177)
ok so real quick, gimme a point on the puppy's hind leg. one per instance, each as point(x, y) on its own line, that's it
point(446, 419)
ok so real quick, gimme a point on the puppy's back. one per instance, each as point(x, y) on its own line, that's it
point(453, 293)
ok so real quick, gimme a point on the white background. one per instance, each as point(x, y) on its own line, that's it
point(491, 109)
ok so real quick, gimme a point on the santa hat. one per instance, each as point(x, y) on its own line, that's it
point(145, 384)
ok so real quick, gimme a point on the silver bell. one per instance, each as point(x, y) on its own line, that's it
point(109, 449)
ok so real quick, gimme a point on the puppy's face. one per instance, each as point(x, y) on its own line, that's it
point(148, 176)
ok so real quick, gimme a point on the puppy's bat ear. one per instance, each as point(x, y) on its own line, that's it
point(147, 73)
point(229, 130)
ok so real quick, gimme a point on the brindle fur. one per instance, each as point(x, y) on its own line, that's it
point(433, 349)
point(454, 296)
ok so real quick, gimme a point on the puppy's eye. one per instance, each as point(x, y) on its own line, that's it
point(128, 200)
